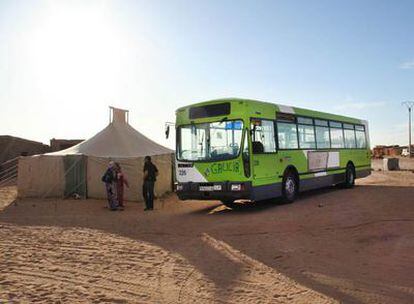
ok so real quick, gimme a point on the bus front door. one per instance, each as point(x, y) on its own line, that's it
point(264, 159)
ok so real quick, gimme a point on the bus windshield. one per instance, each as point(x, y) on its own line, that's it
point(210, 141)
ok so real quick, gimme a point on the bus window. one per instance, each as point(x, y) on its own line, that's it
point(225, 139)
point(304, 121)
point(334, 124)
point(193, 143)
point(337, 138)
point(287, 135)
point(322, 137)
point(322, 123)
point(359, 128)
point(360, 139)
point(210, 141)
point(263, 136)
point(349, 134)
point(306, 137)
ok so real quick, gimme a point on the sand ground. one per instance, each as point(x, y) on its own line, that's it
point(332, 245)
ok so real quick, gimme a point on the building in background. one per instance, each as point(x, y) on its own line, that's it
point(394, 150)
point(12, 147)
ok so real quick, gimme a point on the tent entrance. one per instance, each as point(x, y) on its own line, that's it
point(75, 175)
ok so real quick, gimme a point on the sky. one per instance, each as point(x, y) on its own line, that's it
point(62, 63)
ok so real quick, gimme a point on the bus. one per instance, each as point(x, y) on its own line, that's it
point(239, 149)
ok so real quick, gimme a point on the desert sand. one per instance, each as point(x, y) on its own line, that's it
point(331, 245)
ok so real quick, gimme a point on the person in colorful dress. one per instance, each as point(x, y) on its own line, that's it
point(120, 182)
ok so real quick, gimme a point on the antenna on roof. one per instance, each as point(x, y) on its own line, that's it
point(118, 115)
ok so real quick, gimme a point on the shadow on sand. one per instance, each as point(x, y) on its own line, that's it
point(296, 234)
point(259, 206)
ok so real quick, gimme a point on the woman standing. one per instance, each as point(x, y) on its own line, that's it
point(109, 178)
point(120, 181)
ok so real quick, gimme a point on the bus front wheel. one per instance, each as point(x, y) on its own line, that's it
point(289, 187)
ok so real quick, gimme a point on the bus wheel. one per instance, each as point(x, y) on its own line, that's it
point(349, 176)
point(289, 187)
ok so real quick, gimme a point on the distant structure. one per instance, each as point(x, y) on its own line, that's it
point(12, 147)
point(62, 144)
point(382, 151)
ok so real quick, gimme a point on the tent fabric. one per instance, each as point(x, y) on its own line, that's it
point(41, 176)
point(75, 175)
point(119, 140)
point(62, 173)
point(45, 176)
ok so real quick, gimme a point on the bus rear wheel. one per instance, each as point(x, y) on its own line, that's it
point(289, 187)
point(349, 176)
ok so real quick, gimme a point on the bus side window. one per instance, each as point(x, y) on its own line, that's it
point(263, 136)
point(337, 135)
point(287, 135)
point(349, 135)
point(361, 141)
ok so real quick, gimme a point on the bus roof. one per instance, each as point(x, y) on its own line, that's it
point(278, 107)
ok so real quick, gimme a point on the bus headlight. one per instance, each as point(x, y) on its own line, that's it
point(179, 187)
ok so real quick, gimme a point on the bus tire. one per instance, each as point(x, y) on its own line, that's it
point(290, 187)
point(349, 176)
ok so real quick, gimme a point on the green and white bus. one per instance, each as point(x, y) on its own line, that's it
point(238, 149)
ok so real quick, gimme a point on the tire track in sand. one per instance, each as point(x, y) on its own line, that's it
point(78, 265)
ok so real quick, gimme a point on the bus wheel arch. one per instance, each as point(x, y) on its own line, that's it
point(290, 184)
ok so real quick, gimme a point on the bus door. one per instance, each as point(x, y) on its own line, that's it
point(264, 160)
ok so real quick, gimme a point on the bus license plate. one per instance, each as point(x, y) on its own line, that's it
point(210, 188)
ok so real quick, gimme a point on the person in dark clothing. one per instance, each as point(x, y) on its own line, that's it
point(109, 178)
point(150, 176)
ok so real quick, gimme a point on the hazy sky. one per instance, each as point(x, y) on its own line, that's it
point(62, 63)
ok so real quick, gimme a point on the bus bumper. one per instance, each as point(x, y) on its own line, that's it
point(222, 191)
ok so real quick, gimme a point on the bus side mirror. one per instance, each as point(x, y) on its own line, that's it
point(167, 131)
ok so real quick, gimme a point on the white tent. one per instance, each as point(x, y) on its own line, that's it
point(79, 169)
